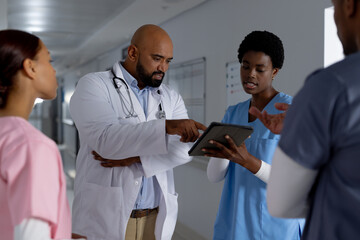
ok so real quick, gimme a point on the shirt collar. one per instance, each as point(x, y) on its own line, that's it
point(127, 76)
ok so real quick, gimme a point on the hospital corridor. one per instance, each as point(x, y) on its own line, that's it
point(127, 89)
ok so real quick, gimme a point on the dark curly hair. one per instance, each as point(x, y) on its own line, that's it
point(266, 42)
point(15, 47)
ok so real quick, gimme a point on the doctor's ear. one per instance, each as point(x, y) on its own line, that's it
point(133, 52)
point(29, 67)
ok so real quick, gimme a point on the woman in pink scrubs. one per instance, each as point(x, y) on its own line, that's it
point(33, 203)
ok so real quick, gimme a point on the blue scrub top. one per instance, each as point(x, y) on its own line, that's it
point(243, 211)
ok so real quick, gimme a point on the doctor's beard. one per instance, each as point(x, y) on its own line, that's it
point(147, 79)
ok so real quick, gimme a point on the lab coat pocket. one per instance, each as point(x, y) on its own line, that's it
point(170, 215)
point(102, 210)
point(172, 202)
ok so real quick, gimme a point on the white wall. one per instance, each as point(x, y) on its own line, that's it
point(3, 14)
point(214, 30)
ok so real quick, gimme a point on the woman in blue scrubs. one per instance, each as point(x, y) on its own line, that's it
point(242, 211)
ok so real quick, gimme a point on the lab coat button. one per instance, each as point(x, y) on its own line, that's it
point(136, 183)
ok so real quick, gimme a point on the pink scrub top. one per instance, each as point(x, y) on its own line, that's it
point(32, 182)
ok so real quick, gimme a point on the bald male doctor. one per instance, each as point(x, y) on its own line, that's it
point(127, 115)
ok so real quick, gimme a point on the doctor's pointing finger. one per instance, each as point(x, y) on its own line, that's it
point(188, 129)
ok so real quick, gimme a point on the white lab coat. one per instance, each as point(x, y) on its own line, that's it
point(105, 197)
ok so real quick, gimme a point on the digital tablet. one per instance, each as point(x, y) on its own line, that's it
point(217, 132)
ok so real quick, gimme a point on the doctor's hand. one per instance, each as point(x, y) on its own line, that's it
point(109, 163)
point(274, 122)
point(237, 154)
point(188, 129)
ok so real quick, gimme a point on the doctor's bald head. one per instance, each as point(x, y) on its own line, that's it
point(149, 55)
point(147, 34)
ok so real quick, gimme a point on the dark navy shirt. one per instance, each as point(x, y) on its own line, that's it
point(322, 132)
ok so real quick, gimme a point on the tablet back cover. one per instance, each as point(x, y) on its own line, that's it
point(217, 132)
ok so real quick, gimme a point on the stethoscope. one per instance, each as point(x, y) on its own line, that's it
point(130, 112)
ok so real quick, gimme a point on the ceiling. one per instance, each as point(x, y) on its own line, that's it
point(76, 31)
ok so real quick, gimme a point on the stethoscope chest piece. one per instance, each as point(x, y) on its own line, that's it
point(161, 114)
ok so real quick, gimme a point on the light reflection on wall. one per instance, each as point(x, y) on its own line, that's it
point(333, 51)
